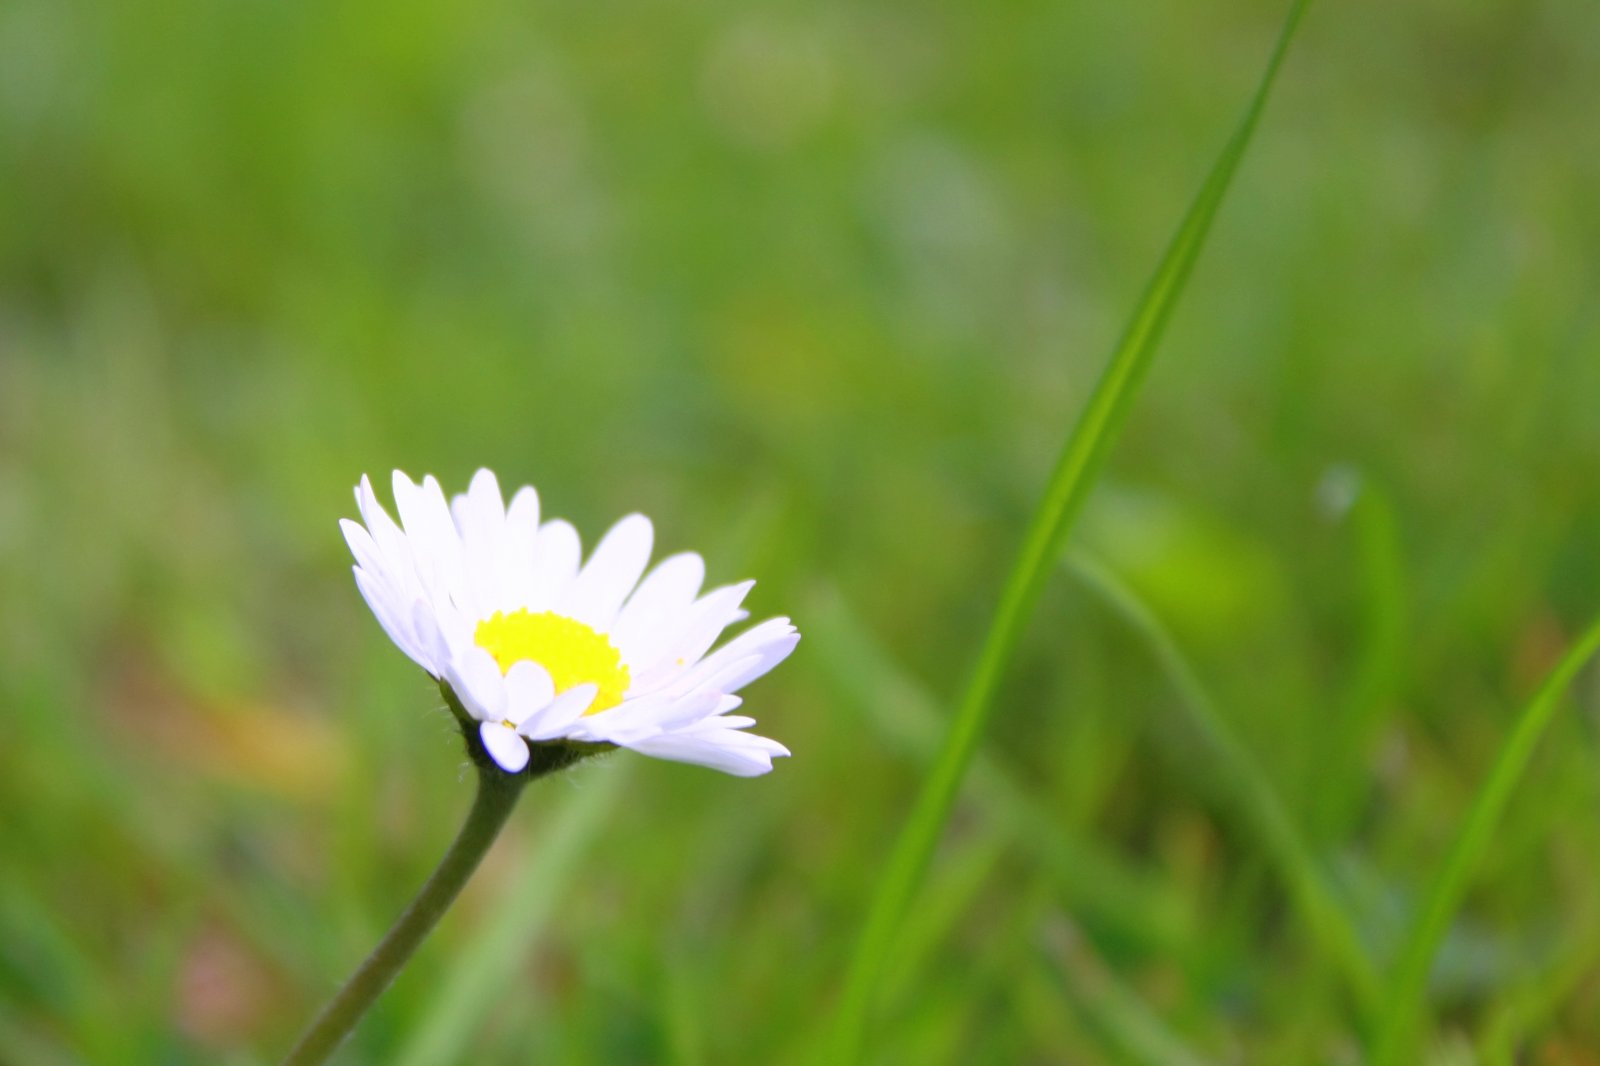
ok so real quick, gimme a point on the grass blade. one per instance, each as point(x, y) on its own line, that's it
point(1069, 486)
point(1380, 663)
point(1398, 1032)
point(952, 894)
point(1124, 1019)
point(1102, 888)
point(1251, 792)
point(1531, 1009)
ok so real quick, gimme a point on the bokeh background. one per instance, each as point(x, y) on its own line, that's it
point(819, 287)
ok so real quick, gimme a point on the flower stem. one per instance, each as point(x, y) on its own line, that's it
point(497, 796)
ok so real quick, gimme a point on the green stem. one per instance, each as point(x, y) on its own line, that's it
point(497, 795)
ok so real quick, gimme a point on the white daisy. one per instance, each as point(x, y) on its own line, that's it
point(537, 648)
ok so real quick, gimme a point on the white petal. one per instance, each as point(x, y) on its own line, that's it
point(423, 511)
point(400, 565)
point(767, 655)
point(610, 574)
point(395, 620)
point(504, 746)
point(722, 681)
point(706, 620)
point(528, 690)
point(698, 629)
point(409, 509)
point(434, 541)
point(728, 750)
point(759, 649)
point(480, 518)
point(558, 717)
point(429, 639)
point(688, 711)
point(555, 564)
point(362, 546)
point(631, 721)
point(458, 628)
point(646, 621)
point(476, 680)
point(480, 508)
point(519, 551)
point(575, 700)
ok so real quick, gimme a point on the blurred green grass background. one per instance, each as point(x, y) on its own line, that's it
point(819, 288)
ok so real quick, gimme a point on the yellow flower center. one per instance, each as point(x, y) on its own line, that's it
point(570, 651)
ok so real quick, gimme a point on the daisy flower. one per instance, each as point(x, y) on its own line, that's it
point(539, 647)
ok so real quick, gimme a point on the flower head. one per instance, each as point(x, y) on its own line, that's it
point(538, 647)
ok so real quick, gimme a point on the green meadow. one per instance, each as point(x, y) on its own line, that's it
point(1280, 746)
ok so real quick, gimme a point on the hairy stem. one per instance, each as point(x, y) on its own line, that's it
point(497, 795)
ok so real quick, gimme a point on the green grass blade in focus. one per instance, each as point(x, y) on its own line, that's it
point(1069, 486)
point(1398, 1033)
point(469, 989)
point(1251, 792)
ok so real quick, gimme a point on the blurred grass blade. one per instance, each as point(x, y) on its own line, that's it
point(953, 890)
point(1531, 1008)
point(1069, 486)
point(1384, 627)
point(1251, 792)
point(481, 973)
point(1100, 886)
point(1109, 1006)
point(1379, 664)
point(1405, 1007)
